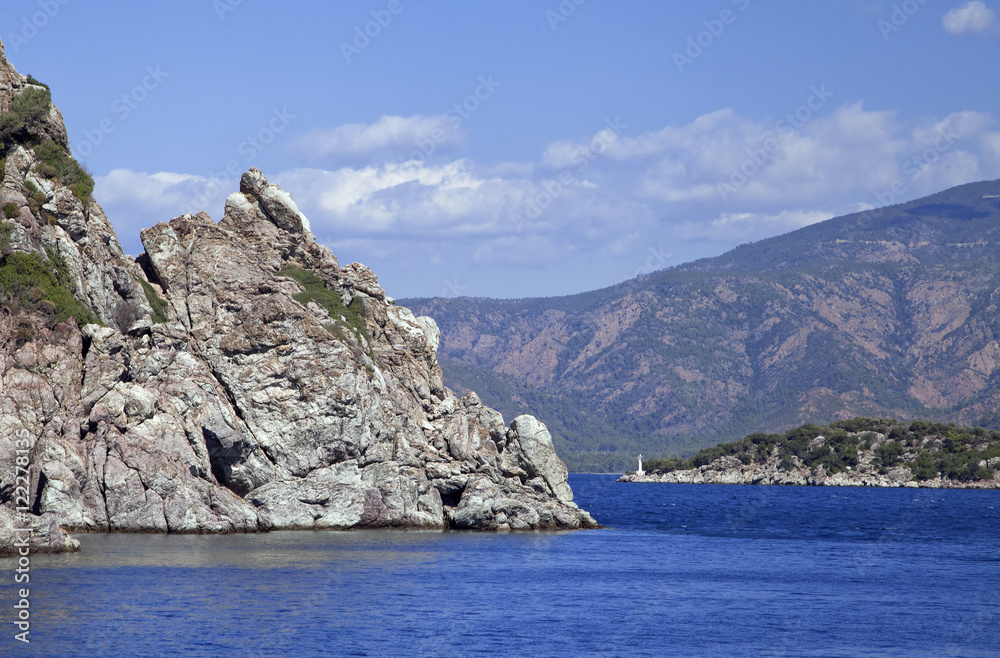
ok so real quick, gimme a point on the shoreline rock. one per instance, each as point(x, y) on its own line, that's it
point(249, 410)
point(237, 379)
point(730, 470)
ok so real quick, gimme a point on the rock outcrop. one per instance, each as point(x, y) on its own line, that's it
point(236, 379)
point(731, 470)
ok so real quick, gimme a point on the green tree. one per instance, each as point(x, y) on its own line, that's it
point(923, 467)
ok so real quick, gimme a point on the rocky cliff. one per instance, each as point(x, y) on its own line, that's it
point(233, 378)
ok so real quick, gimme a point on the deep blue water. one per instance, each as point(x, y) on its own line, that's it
point(698, 570)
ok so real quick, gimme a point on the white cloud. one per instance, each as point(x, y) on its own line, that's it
point(971, 18)
point(401, 198)
point(600, 199)
point(992, 140)
point(955, 126)
point(391, 136)
point(458, 202)
point(162, 190)
point(710, 131)
point(737, 228)
point(724, 162)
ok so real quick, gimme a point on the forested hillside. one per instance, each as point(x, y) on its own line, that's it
point(886, 313)
point(864, 450)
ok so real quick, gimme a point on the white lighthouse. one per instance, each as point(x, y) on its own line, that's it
point(640, 471)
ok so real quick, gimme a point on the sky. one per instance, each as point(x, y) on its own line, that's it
point(520, 148)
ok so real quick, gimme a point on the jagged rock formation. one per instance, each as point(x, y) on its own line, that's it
point(238, 380)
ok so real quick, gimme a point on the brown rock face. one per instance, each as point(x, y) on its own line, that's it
point(274, 389)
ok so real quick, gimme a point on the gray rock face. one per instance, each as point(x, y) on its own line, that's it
point(538, 456)
point(32, 535)
point(281, 391)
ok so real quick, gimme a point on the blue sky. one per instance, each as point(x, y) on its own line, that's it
point(516, 149)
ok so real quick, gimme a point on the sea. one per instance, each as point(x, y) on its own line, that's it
point(679, 570)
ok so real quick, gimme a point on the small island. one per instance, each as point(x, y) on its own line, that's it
point(857, 452)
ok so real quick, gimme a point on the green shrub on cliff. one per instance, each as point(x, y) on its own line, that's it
point(33, 81)
point(5, 231)
point(55, 162)
point(34, 283)
point(158, 304)
point(316, 291)
point(22, 121)
point(36, 198)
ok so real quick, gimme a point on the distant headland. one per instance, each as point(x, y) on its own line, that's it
point(858, 452)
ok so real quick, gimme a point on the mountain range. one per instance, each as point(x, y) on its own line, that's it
point(888, 312)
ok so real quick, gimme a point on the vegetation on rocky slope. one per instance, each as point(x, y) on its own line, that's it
point(23, 124)
point(349, 316)
point(891, 313)
point(30, 282)
point(22, 121)
point(56, 163)
point(157, 303)
point(5, 230)
point(928, 449)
